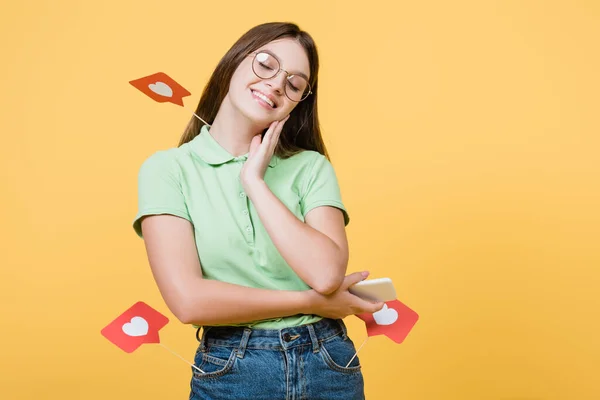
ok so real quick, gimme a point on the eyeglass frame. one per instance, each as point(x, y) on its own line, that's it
point(256, 53)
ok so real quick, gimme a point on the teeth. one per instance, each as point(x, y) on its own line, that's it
point(265, 98)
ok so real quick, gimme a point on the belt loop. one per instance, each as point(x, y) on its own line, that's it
point(244, 342)
point(313, 338)
point(202, 339)
point(344, 329)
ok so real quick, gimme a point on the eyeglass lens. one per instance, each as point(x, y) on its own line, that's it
point(266, 66)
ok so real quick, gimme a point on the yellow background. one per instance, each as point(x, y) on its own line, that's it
point(465, 136)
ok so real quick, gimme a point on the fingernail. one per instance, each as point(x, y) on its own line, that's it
point(365, 274)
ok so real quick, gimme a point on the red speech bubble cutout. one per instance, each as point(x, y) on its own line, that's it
point(138, 325)
point(395, 321)
point(161, 88)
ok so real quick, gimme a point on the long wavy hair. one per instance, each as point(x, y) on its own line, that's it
point(302, 130)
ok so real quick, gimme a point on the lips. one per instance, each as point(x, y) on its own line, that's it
point(264, 98)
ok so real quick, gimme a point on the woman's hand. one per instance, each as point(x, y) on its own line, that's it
point(342, 303)
point(260, 155)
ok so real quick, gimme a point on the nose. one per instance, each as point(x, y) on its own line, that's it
point(278, 81)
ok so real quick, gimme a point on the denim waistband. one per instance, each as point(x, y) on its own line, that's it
point(274, 339)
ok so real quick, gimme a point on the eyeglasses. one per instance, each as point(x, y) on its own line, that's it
point(266, 66)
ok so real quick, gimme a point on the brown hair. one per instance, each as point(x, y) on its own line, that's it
point(302, 130)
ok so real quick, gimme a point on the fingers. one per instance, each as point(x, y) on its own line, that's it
point(266, 137)
point(272, 135)
point(354, 278)
point(376, 307)
point(280, 127)
point(254, 144)
point(270, 139)
point(370, 306)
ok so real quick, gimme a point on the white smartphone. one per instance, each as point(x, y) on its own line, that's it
point(381, 289)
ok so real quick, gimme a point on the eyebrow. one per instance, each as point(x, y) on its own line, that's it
point(273, 54)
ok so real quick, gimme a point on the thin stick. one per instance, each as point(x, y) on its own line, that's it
point(196, 115)
point(181, 357)
point(355, 354)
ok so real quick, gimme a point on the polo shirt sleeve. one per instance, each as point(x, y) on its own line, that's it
point(159, 189)
point(322, 188)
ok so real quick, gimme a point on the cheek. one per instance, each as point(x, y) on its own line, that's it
point(240, 81)
point(239, 90)
point(287, 108)
point(237, 84)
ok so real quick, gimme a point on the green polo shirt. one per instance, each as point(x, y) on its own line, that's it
point(199, 181)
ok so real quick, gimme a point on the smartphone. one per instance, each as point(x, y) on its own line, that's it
point(381, 289)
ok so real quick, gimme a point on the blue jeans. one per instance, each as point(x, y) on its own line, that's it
point(306, 362)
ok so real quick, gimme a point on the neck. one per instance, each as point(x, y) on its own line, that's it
point(232, 130)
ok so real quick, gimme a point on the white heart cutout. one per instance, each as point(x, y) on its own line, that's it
point(137, 327)
point(161, 88)
point(385, 316)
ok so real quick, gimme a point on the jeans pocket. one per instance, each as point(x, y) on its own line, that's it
point(337, 353)
point(216, 361)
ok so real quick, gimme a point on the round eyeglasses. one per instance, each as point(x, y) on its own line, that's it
point(266, 66)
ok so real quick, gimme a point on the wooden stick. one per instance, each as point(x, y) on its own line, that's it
point(355, 354)
point(181, 357)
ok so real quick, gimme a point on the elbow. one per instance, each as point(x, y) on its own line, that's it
point(328, 285)
point(187, 316)
point(184, 317)
point(331, 279)
point(182, 310)
point(183, 305)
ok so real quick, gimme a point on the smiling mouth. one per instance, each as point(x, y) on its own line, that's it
point(264, 98)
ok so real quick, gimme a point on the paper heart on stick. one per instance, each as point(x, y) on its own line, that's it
point(395, 320)
point(138, 326)
point(161, 88)
point(385, 316)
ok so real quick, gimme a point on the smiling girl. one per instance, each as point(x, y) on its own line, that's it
point(244, 229)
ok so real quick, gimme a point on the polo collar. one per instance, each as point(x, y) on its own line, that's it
point(211, 152)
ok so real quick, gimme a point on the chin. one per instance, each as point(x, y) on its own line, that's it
point(256, 118)
point(260, 119)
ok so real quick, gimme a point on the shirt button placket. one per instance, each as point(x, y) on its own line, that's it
point(249, 229)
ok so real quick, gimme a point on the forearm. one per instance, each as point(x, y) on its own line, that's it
point(210, 302)
point(316, 258)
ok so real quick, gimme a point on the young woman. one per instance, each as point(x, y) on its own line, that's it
point(244, 228)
